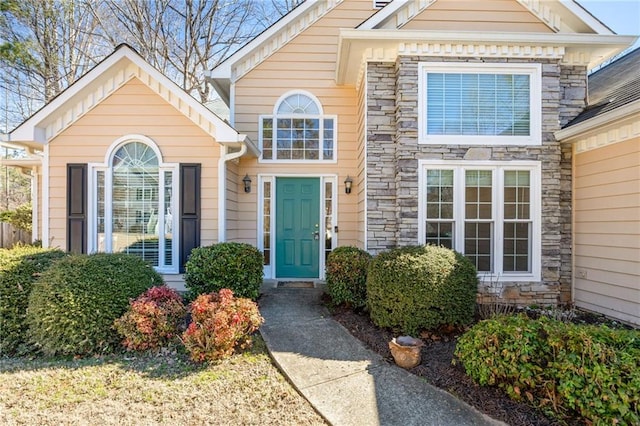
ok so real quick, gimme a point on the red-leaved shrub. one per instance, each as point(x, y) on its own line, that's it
point(220, 324)
point(152, 320)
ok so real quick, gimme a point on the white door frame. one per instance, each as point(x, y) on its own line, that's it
point(269, 270)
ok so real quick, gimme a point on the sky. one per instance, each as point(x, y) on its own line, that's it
point(622, 16)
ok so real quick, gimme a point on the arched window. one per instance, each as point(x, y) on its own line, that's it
point(135, 206)
point(298, 130)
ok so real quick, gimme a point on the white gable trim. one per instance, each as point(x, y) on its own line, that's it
point(358, 46)
point(403, 10)
point(581, 13)
point(116, 70)
point(550, 13)
point(223, 69)
point(615, 126)
point(267, 43)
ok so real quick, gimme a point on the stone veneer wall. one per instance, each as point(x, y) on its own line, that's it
point(573, 96)
point(392, 166)
point(381, 157)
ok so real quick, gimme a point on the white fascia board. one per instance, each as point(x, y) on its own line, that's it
point(28, 131)
point(425, 36)
point(252, 148)
point(224, 132)
point(586, 17)
point(622, 112)
point(223, 69)
point(24, 163)
point(383, 14)
point(353, 43)
point(578, 11)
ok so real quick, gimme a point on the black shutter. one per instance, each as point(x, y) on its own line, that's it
point(77, 208)
point(189, 210)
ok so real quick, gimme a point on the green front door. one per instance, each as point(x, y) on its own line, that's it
point(297, 227)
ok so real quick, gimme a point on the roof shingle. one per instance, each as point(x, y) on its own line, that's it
point(612, 87)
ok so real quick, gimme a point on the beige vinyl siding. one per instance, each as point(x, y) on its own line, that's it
point(607, 230)
point(305, 63)
point(234, 180)
point(474, 15)
point(132, 109)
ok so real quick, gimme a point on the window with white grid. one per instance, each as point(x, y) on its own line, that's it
point(489, 211)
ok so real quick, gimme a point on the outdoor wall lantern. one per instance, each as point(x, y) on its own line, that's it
point(348, 182)
point(247, 183)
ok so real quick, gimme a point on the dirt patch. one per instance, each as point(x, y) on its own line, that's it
point(437, 369)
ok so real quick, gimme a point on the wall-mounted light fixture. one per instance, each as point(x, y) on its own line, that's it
point(246, 180)
point(348, 183)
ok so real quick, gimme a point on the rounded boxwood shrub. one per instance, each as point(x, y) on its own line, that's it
point(236, 266)
point(571, 371)
point(346, 274)
point(74, 303)
point(421, 287)
point(19, 268)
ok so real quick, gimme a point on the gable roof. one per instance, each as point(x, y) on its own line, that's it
point(614, 92)
point(269, 41)
point(564, 17)
point(560, 16)
point(122, 65)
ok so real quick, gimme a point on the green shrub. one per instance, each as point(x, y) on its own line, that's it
point(20, 218)
point(567, 369)
point(346, 273)
point(152, 320)
point(19, 268)
point(75, 302)
point(421, 287)
point(220, 324)
point(236, 266)
point(512, 344)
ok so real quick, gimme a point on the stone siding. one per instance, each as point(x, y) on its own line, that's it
point(381, 161)
point(392, 167)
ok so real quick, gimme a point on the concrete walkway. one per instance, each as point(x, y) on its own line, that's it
point(345, 382)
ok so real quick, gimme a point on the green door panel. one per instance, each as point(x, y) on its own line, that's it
point(297, 227)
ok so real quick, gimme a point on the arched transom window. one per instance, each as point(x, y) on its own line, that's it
point(135, 206)
point(298, 131)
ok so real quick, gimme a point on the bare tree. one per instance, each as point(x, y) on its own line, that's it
point(47, 45)
point(186, 38)
point(280, 7)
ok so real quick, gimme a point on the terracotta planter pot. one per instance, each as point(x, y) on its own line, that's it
point(406, 355)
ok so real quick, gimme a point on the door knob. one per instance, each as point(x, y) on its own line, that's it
point(316, 235)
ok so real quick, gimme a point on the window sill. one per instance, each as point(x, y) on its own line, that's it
point(480, 140)
point(260, 160)
point(489, 278)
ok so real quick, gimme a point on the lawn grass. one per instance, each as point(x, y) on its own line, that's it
point(133, 389)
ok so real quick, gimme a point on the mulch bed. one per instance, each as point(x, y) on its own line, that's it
point(437, 369)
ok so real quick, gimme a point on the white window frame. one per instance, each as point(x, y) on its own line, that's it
point(269, 270)
point(92, 199)
point(321, 117)
point(497, 168)
point(534, 71)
